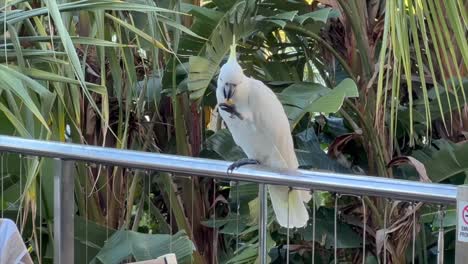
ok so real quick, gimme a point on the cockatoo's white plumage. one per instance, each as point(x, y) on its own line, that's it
point(259, 125)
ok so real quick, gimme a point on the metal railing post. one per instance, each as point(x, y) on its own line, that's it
point(63, 212)
point(263, 220)
point(440, 239)
point(461, 249)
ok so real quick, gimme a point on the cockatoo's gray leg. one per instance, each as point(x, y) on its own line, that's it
point(240, 163)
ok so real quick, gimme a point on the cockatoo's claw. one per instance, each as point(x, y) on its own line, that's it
point(230, 109)
point(240, 163)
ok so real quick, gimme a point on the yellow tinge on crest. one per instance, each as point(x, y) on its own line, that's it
point(232, 53)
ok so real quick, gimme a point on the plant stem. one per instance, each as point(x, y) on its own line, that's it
point(352, 13)
point(375, 211)
point(131, 197)
point(325, 44)
point(139, 213)
point(381, 165)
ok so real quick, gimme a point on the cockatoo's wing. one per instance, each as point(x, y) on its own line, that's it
point(271, 123)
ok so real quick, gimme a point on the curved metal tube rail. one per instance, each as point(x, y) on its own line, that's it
point(325, 181)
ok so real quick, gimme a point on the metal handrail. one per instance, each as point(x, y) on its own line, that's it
point(325, 181)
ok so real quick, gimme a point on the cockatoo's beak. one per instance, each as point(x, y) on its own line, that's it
point(228, 93)
point(228, 105)
point(229, 101)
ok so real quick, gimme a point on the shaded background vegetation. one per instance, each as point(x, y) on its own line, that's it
point(370, 86)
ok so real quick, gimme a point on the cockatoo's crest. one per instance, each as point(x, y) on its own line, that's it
point(232, 54)
point(231, 71)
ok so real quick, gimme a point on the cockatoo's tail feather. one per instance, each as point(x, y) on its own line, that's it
point(286, 201)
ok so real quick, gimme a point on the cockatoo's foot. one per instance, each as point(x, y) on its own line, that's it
point(230, 109)
point(240, 163)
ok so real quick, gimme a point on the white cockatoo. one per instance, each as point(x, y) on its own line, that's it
point(259, 125)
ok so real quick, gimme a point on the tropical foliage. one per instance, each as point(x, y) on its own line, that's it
point(370, 87)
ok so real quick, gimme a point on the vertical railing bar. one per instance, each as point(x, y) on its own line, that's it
point(57, 211)
point(287, 230)
point(148, 180)
point(385, 233)
point(40, 221)
point(364, 232)
point(171, 190)
point(262, 195)
point(313, 228)
point(88, 173)
point(335, 249)
point(108, 183)
point(128, 174)
point(237, 216)
point(192, 191)
point(68, 211)
point(63, 212)
point(19, 218)
point(440, 239)
point(413, 207)
point(215, 245)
